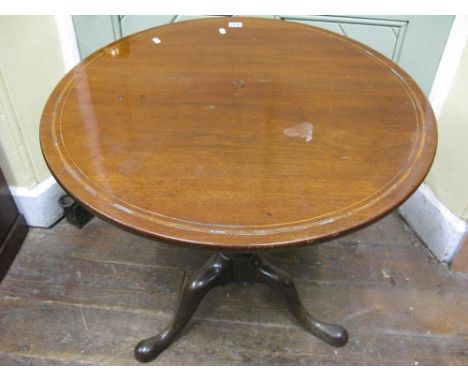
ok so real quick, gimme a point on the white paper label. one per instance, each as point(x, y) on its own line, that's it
point(235, 24)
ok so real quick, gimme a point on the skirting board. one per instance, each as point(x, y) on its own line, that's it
point(442, 231)
point(39, 205)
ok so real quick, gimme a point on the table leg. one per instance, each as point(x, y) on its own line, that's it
point(281, 281)
point(216, 272)
point(225, 268)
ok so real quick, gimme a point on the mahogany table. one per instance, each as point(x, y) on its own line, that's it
point(241, 135)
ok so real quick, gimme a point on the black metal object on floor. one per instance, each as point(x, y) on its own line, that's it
point(74, 213)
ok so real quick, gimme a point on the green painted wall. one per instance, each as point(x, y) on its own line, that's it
point(31, 64)
point(449, 174)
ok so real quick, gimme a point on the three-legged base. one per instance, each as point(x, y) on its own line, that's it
point(222, 269)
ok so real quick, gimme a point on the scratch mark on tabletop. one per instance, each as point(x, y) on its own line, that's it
point(239, 83)
point(302, 130)
point(89, 189)
point(122, 208)
point(327, 221)
point(217, 231)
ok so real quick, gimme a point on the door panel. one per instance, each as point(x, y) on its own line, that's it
point(384, 38)
point(416, 43)
point(186, 18)
point(133, 24)
point(94, 32)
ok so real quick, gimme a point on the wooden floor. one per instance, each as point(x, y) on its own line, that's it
point(87, 296)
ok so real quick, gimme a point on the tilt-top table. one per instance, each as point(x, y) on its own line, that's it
point(241, 135)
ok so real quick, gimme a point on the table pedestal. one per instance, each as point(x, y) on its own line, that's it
point(222, 269)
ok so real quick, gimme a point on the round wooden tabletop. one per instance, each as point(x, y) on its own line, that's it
point(238, 133)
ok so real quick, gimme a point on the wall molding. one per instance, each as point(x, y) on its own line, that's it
point(68, 43)
point(448, 64)
point(39, 205)
point(439, 228)
point(11, 136)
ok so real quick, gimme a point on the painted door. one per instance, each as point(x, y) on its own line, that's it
point(416, 43)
